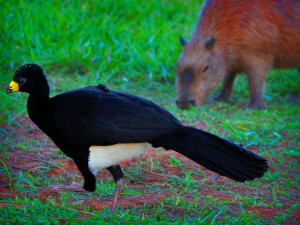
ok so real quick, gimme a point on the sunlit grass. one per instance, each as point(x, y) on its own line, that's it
point(133, 46)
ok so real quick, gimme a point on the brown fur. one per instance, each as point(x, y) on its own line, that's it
point(234, 36)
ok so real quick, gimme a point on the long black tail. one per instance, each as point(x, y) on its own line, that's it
point(215, 153)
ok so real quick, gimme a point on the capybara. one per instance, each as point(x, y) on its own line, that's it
point(236, 36)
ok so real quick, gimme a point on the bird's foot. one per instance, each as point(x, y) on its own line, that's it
point(45, 193)
point(56, 189)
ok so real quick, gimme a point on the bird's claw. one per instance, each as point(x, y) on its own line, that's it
point(45, 193)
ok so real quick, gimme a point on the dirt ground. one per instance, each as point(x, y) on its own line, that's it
point(20, 160)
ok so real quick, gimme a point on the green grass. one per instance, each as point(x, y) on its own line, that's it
point(133, 46)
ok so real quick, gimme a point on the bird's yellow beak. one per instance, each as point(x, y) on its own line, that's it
point(12, 87)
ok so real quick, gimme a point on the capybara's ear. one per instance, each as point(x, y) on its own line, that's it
point(182, 41)
point(209, 43)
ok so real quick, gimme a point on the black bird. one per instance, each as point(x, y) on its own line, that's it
point(98, 128)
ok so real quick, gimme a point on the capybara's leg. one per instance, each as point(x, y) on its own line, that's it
point(256, 81)
point(226, 89)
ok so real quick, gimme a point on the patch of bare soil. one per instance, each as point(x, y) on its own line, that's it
point(211, 184)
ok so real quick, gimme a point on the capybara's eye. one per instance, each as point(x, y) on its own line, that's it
point(205, 68)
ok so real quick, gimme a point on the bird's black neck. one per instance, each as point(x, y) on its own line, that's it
point(38, 100)
point(42, 89)
point(37, 103)
point(38, 108)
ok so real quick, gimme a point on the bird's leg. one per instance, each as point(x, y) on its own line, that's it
point(55, 189)
point(89, 183)
point(116, 195)
point(118, 176)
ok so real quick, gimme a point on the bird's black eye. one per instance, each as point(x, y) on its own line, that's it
point(22, 81)
point(205, 68)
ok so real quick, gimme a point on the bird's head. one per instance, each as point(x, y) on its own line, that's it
point(29, 78)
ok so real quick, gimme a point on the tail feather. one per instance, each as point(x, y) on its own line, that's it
point(215, 153)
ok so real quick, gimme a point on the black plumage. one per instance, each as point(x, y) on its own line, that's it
point(97, 116)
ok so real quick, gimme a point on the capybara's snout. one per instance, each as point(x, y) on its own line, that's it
point(185, 104)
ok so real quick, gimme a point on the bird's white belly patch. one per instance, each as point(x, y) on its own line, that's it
point(105, 156)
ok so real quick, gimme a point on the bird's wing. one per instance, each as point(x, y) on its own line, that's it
point(94, 116)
